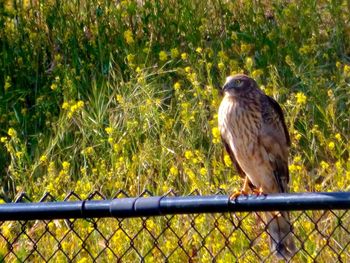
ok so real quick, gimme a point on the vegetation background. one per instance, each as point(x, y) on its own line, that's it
point(110, 95)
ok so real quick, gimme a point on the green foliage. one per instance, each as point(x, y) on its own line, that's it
point(108, 95)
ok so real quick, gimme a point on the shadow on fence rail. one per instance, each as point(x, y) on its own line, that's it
point(171, 229)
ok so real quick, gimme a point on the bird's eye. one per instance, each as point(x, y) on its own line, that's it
point(237, 82)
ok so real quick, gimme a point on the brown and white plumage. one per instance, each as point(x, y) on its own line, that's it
point(255, 135)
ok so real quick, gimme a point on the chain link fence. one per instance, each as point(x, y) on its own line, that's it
point(319, 235)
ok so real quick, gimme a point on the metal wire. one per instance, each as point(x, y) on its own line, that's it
point(320, 230)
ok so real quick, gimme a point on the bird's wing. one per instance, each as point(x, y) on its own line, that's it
point(233, 158)
point(277, 109)
point(275, 139)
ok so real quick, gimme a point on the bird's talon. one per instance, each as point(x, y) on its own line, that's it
point(259, 191)
point(237, 193)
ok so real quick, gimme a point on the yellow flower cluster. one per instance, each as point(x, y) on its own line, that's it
point(129, 38)
point(300, 98)
point(43, 159)
point(109, 130)
point(163, 56)
point(177, 86)
point(12, 132)
point(7, 83)
point(347, 70)
point(73, 107)
point(249, 63)
point(54, 85)
point(216, 135)
point(227, 160)
point(174, 53)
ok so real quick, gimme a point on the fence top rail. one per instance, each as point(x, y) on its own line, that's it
point(166, 205)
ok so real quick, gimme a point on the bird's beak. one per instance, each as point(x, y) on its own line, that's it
point(226, 87)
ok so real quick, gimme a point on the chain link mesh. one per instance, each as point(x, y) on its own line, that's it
point(320, 236)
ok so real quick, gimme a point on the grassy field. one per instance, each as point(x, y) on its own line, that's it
point(109, 95)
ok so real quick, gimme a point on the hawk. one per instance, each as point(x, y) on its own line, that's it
point(256, 138)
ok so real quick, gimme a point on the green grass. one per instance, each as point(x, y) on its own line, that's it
point(96, 95)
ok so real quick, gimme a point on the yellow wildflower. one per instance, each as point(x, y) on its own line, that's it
point(257, 73)
point(222, 55)
point(12, 132)
point(190, 174)
point(215, 131)
point(338, 137)
point(330, 93)
point(347, 70)
point(65, 105)
point(65, 165)
point(297, 136)
point(249, 63)
point(339, 165)
point(203, 171)
point(116, 147)
point(227, 160)
point(130, 58)
point(221, 65)
point(128, 36)
point(109, 130)
point(174, 53)
point(120, 98)
point(173, 171)
point(245, 48)
point(43, 159)
point(188, 69)
point(199, 50)
point(216, 135)
point(301, 98)
point(184, 56)
point(293, 168)
point(324, 165)
point(188, 155)
point(53, 86)
point(297, 159)
point(73, 108)
point(19, 154)
point(7, 83)
point(6, 230)
point(234, 36)
point(331, 146)
point(84, 259)
point(163, 56)
point(89, 150)
point(3, 139)
point(51, 168)
point(177, 86)
point(80, 104)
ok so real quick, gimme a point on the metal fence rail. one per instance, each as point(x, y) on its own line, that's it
point(169, 228)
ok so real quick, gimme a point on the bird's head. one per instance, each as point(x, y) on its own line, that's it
point(239, 85)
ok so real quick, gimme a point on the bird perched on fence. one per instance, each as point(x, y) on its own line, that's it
point(256, 138)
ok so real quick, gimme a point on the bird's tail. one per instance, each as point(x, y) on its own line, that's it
point(280, 232)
